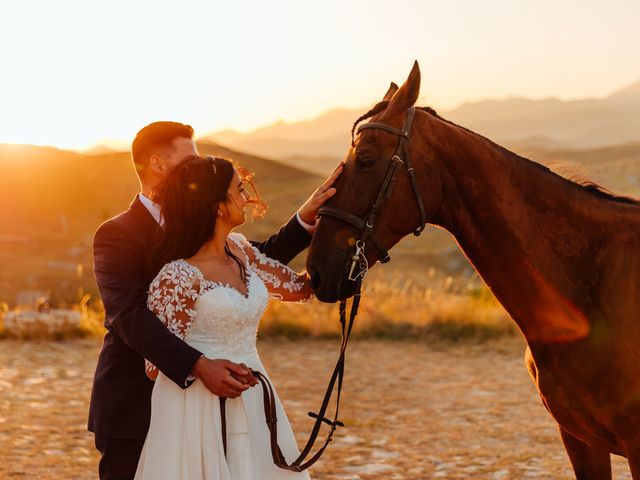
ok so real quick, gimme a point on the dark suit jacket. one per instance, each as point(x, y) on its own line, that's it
point(121, 396)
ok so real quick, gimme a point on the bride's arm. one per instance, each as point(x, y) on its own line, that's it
point(283, 283)
point(172, 296)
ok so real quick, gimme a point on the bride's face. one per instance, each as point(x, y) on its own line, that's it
point(234, 211)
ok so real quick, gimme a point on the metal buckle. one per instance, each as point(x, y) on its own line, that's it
point(358, 260)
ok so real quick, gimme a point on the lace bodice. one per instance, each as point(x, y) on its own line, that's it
point(214, 317)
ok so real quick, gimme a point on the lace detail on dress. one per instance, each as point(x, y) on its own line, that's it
point(214, 317)
point(174, 292)
point(172, 296)
point(281, 281)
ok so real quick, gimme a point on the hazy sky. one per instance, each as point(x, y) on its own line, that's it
point(75, 72)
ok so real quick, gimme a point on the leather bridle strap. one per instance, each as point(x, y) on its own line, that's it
point(269, 400)
point(412, 178)
point(223, 424)
point(404, 132)
point(403, 152)
point(365, 226)
point(356, 222)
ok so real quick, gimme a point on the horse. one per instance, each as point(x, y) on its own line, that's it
point(561, 256)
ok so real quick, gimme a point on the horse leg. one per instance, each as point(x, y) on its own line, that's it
point(589, 463)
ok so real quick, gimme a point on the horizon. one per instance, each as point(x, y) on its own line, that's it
point(76, 85)
point(123, 145)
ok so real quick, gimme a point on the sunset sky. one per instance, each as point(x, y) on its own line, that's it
point(74, 73)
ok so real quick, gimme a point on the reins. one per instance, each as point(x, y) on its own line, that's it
point(356, 271)
point(302, 462)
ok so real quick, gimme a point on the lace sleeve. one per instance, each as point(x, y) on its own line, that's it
point(172, 296)
point(282, 283)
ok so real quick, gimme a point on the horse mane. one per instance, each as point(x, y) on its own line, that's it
point(586, 185)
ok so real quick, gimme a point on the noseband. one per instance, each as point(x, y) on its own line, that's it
point(358, 264)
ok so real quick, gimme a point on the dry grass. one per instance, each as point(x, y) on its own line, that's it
point(390, 309)
point(81, 320)
point(398, 308)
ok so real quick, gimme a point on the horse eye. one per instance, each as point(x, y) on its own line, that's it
point(364, 162)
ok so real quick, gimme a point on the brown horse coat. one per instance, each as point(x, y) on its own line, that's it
point(562, 258)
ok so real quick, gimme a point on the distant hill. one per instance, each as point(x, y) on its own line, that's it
point(100, 150)
point(630, 94)
point(616, 168)
point(52, 201)
point(548, 123)
point(107, 146)
point(327, 125)
point(334, 147)
point(575, 124)
point(319, 138)
point(38, 185)
point(319, 165)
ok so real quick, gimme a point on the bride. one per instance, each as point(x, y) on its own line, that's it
point(212, 293)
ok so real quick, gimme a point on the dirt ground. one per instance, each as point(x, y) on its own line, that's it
point(412, 411)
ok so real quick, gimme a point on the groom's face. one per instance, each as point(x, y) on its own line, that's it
point(181, 148)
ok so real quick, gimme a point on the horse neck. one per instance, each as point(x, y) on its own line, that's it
point(530, 234)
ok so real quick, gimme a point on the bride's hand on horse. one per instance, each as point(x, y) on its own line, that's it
point(222, 377)
point(308, 211)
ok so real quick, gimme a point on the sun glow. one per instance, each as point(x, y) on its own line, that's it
point(75, 72)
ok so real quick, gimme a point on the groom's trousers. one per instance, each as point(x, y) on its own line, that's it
point(118, 457)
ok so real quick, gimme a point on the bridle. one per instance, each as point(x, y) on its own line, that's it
point(358, 265)
point(357, 269)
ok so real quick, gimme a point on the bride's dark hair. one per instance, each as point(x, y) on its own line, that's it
point(189, 198)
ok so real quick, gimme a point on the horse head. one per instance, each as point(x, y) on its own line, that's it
point(377, 202)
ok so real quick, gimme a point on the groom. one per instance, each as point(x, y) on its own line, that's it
point(121, 397)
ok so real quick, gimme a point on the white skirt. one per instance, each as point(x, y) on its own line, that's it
point(184, 441)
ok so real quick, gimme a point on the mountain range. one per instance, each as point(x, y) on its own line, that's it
point(318, 144)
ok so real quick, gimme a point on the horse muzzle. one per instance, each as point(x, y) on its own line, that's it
point(330, 284)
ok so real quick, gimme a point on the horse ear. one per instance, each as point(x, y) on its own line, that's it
point(393, 88)
point(407, 94)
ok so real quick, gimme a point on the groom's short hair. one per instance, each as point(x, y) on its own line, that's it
point(155, 138)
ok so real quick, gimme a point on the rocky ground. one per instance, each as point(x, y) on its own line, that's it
point(412, 411)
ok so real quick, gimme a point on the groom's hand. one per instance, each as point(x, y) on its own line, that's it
point(309, 210)
point(221, 376)
point(248, 378)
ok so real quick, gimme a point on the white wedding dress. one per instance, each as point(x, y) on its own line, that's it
point(184, 439)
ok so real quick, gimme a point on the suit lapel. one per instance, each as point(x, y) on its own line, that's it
point(144, 217)
point(151, 234)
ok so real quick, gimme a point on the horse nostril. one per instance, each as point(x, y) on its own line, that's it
point(315, 278)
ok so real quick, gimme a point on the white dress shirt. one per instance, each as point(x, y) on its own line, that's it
point(154, 208)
